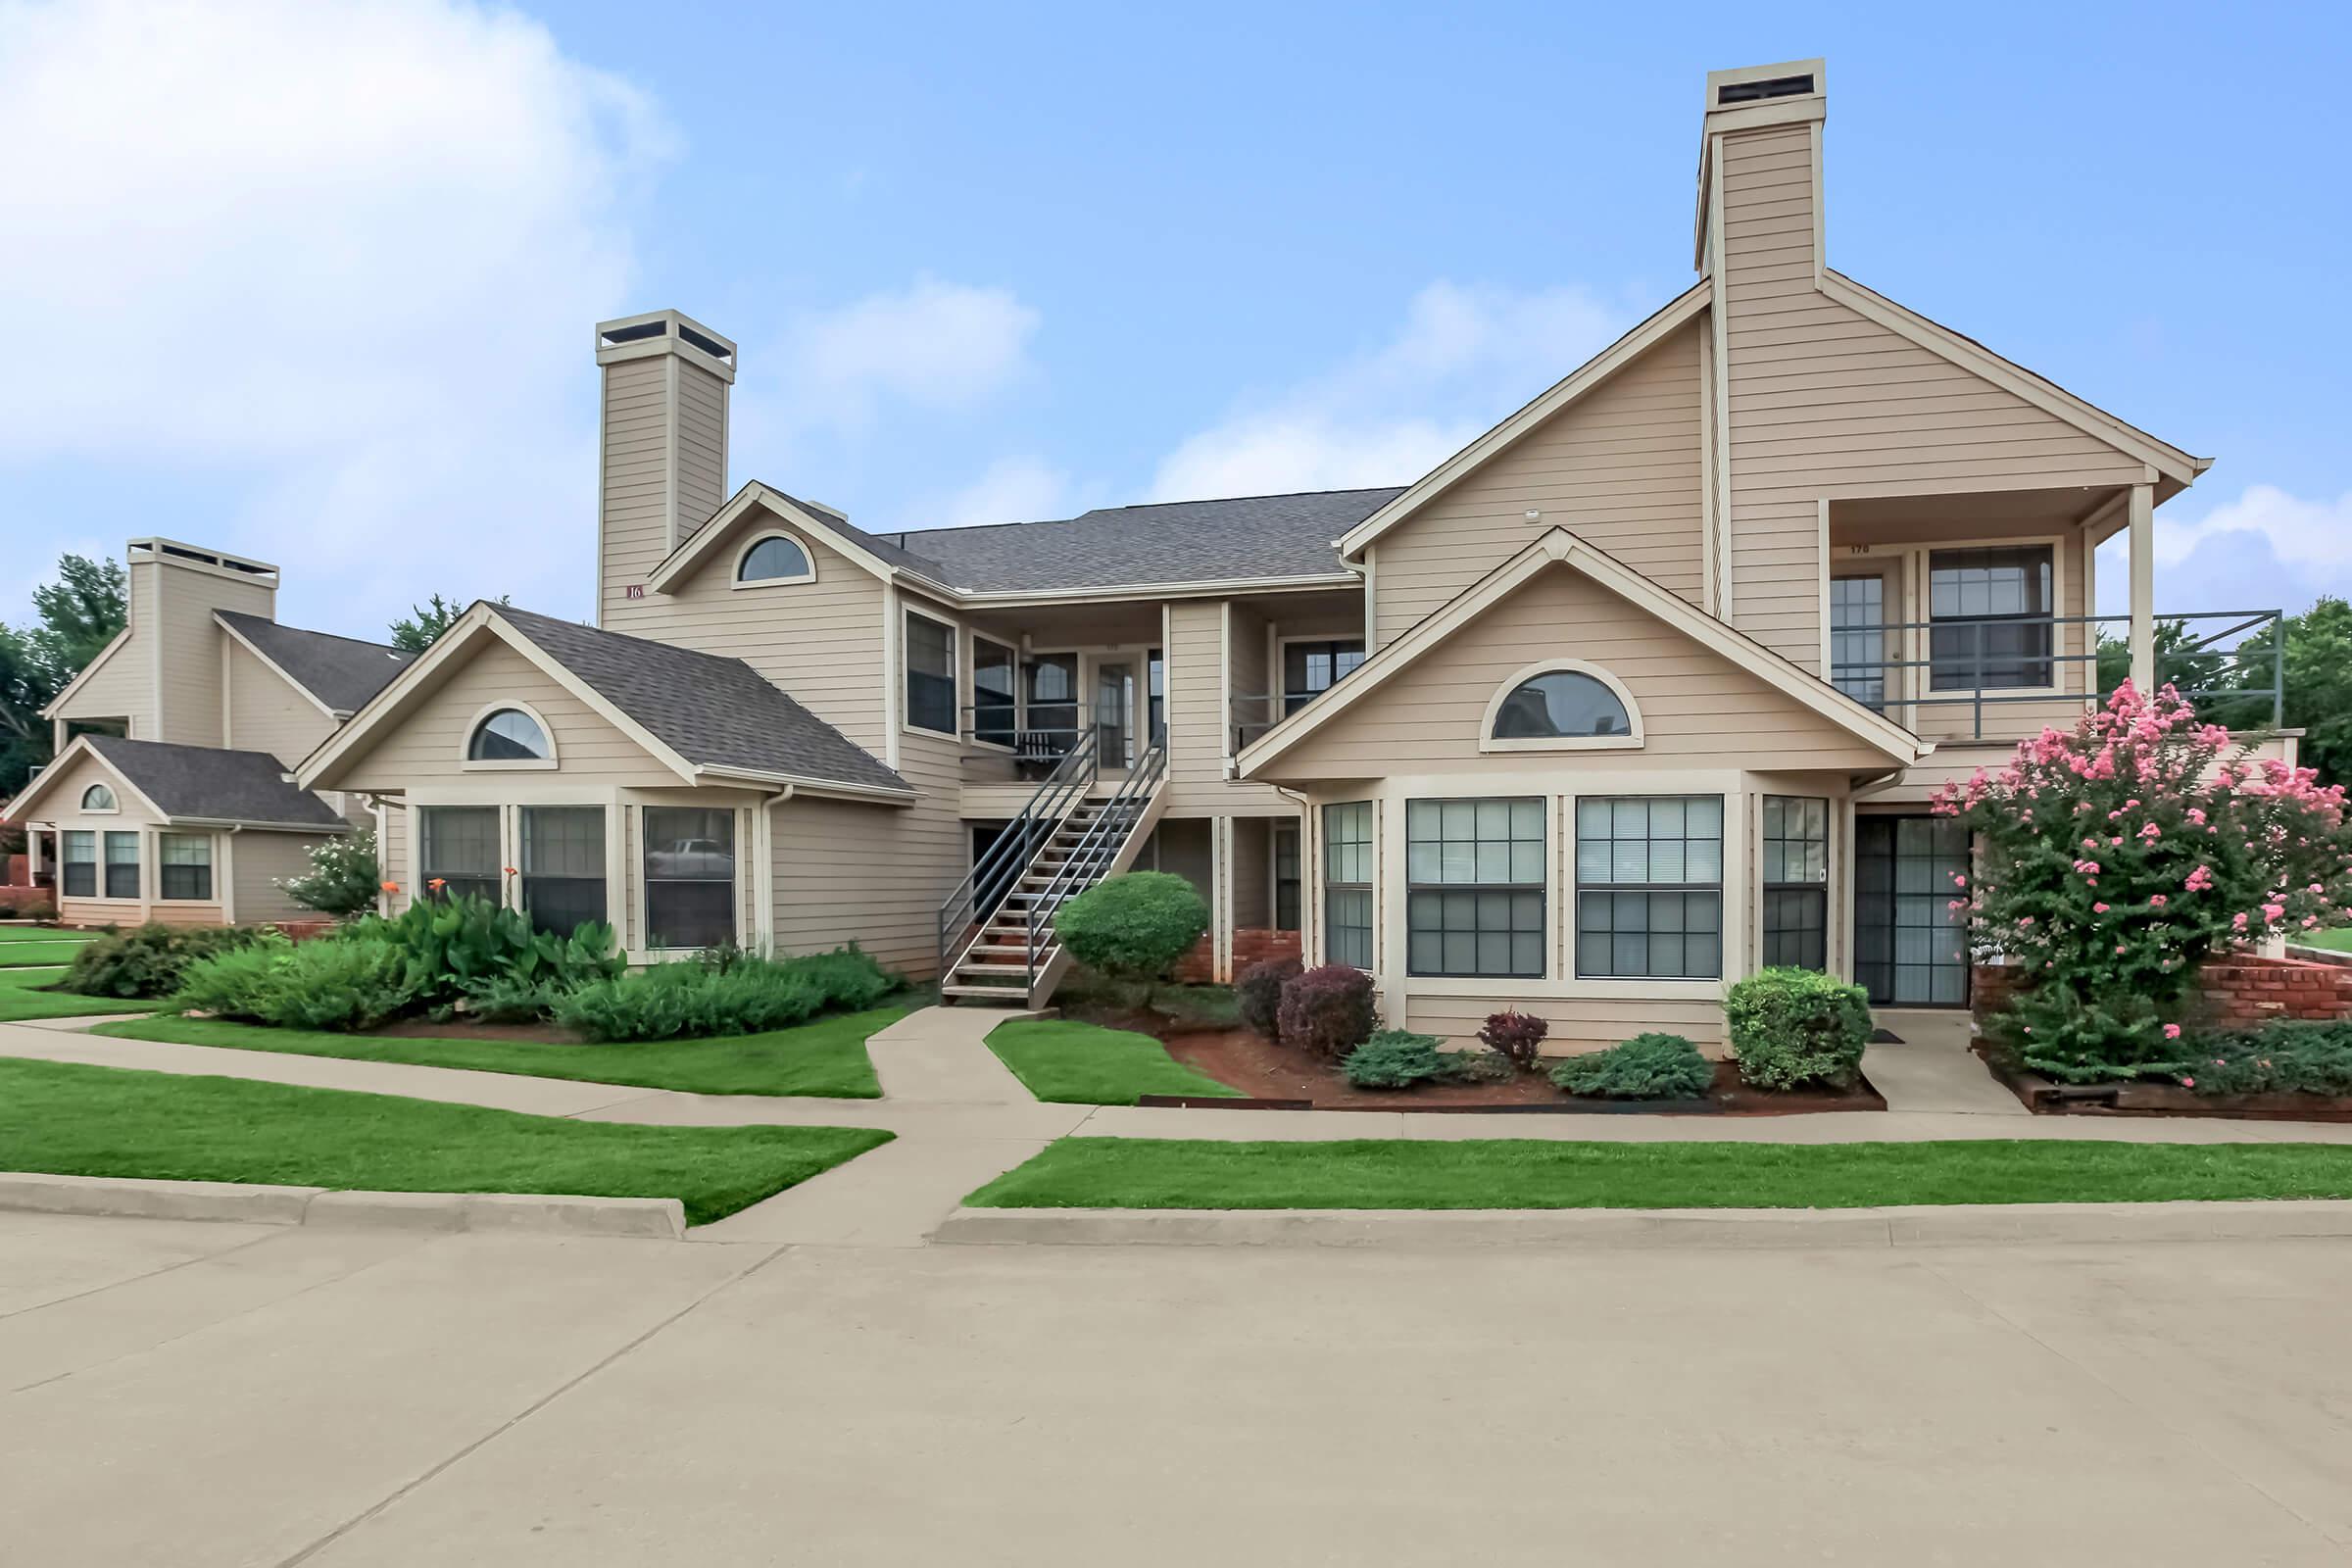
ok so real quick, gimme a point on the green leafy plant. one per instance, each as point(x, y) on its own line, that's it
point(1328, 1011)
point(1396, 1059)
point(149, 960)
point(2114, 858)
point(343, 878)
point(690, 1001)
point(341, 984)
point(1516, 1037)
point(511, 1001)
point(1790, 1028)
point(460, 948)
point(2290, 1055)
point(1133, 927)
point(1258, 995)
point(1648, 1066)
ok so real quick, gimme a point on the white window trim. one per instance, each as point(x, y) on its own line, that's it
point(1904, 567)
point(87, 809)
point(1738, 811)
point(1561, 743)
point(540, 765)
point(212, 864)
point(905, 663)
point(735, 570)
point(643, 951)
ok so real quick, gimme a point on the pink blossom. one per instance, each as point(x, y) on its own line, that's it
point(2237, 921)
point(2151, 832)
point(1958, 880)
point(2172, 1031)
point(2024, 921)
point(2155, 901)
point(2197, 814)
point(2188, 1082)
point(2099, 908)
point(2199, 879)
point(2273, 911)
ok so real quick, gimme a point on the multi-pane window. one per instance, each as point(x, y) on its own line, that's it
point(771, 558)
point(1796, 881)
point(1474, 879)
point(1347, 884)
point(563, 866)
point(183, 865)
point(689, 876)
point(1650, 887)
point(1052, 703)
point(457, 852)
point(1990, 611)
point(508, 735)
point(993, 692)
point(1910, 945)
point(80, 865)
point(1858, 638)
point(930, 674)
point(1310, 670)
point(122, 866)
point(1286, 876)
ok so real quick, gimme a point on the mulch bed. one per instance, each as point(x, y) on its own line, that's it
point(1276, 1077)
point(2046, 1097)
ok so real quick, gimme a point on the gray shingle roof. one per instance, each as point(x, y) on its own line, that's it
point(713, 711)
point(1240, 540)
point(342, 672)
point(207, 784)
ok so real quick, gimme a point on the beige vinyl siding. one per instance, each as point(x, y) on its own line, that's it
point(848, 873)
point(1619, 467)
point(427, 745)
point(1250, 679)
point(258, 862)
point(188, 646)
point(1186, 848)
point(1698, 708)
point(265, 713)
point(392, 850)
point(121, 687)
point(1196, 704)
point(1825, 403)
point(820, 641)
point(1577, 1023)
point(702, 447)
point(636, 484)
point(1253, 872)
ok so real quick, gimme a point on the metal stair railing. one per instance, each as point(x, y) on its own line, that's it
point(998, 871)
point(1099, 846)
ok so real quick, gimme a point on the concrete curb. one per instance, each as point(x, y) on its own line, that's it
point(652, 1218)
point(1926, 1225)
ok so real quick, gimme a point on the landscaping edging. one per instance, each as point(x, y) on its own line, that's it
point(254, 1203)
point(2046, 1097)
point(1922, 1225)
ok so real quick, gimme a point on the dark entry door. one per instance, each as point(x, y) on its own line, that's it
point(1910, 946)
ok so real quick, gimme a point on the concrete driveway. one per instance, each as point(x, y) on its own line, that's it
point(196, 1395)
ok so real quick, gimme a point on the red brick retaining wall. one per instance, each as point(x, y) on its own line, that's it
point(2231, 992)
point(1250, 945)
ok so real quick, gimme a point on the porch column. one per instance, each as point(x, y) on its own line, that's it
point(1220, 904)
point(2143, 587)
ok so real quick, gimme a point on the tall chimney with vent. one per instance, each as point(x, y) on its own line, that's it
point(1759, 173)
point(662, 450)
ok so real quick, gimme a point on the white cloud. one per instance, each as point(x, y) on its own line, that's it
point(1464, 357)
point(351, 249)
point(1010, 490)
point(2300, 532)
point(933, 345)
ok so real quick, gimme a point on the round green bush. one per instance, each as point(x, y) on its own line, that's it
point(1133, 927)
point(1791, 1028)
point(1648, 1066)
point(1397, 1058)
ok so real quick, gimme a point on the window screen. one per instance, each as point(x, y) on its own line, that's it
point(689, 876)
point(122, 866)
point(458, 848)
point(930, 674)
point(564, 865)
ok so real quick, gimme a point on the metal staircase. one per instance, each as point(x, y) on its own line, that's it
point(996, 931)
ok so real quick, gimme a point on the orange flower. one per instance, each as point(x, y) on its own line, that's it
point(510, 870)
point(436, 883)
point(389, 887)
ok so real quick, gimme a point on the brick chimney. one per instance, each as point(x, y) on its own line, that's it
point(661, 448)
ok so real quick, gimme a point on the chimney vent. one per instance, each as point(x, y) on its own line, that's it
point(1751, 92)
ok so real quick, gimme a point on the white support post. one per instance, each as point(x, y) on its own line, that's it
point(2143, 587)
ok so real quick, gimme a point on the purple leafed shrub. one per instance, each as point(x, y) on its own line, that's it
point(1328, 1011)
point(1258, 995)
point(1517, 1036)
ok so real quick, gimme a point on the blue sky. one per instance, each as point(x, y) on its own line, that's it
point(315, 282)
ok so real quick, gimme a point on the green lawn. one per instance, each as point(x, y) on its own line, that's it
point(20, 999)
point(1526, 1173)
point(2338, 940)
point(41, 933)
point(1085, 1065)
point(825, 1057)
point(106, 1121)
point(54, 949)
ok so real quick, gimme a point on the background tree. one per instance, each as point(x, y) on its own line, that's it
point(2318, 680)
point(414, 632)
point(75, 617)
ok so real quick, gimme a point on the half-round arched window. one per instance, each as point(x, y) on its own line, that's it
point(1562, 704)
point(508, 735)
point(775, 558)
point(98, 798)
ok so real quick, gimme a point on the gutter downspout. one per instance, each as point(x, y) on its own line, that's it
point(763, 869)
point(229, 874)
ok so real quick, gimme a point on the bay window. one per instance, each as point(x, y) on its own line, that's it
point(1650, 887)
point(1347, 884)
point(1475, 884)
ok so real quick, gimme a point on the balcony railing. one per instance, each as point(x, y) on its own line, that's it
point(1039, 735)
point(2231, 664)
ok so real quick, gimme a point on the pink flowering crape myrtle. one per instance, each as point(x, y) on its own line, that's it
point(2212, 848)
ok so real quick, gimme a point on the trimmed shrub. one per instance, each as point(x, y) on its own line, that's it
point(150, 960)
point(343, 877)
point(1794, 1027)
point(1648, 1066)
point(1396, 1059)
point(1328, 1011)
point(690, 1001)
point(1133, 927)
point(1258, 995)
point(345, 985)
point(1517, 1037)
point(2290, 1055)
